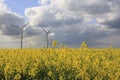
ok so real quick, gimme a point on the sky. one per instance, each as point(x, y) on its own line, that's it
point(70, 22)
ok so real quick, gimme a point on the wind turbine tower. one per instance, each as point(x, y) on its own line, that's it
point(21, 33)
point(46, 36)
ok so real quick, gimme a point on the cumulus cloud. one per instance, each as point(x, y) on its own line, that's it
point(68, 12)
point(114, 23)
point(113, 20)
point(71, 22)
point(91, 6)
point(9, 18)
point(46, 17)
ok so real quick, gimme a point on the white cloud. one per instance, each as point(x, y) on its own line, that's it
point(52, 34)
point(71, 21)
point(64, 15)
point(3, 6)
point(43, 2)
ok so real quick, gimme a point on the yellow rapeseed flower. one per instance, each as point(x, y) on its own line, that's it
point(50, 73)
point(17, 77)
point(54, 43)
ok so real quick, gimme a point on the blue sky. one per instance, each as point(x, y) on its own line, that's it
point(19, 6)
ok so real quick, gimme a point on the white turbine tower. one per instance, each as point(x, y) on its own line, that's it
point(46, 36)
point(21, 28)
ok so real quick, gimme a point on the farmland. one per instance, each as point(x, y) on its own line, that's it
point(60, 64)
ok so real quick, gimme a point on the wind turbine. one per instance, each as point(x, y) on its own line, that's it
point(47, 35)
point(21, 33)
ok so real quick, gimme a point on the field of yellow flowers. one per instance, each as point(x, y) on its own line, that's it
point(60, 64)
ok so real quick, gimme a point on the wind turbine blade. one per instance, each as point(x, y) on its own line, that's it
point(44, 29)
point(16, 26)
point(25, 25)
point(49, 30)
